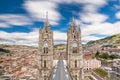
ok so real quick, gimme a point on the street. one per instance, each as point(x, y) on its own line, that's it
point(60, 71)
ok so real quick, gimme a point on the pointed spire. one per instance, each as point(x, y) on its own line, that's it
point(46, 25)
point(79, 32)
point(79, 28)
point(46, 17)
point(46, 21)
point(73, 24)
point(40, 28)
point(73, 19)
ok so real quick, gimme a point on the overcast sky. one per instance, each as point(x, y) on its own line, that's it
point(20, 20)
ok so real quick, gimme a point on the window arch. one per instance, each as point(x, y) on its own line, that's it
point(45, 64)
point(75, 77)
point(74, 36)
point(45, 77)
point(74, 46)
point(75, 63)
point(45, 45)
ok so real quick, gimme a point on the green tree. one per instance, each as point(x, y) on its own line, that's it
point(97, 54)
point(113, 56)
point(105, 55)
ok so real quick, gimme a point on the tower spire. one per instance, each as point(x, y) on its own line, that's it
point(73, 24)
point(73, 19)
point(46, 16)
point(46, 20)
point(46, 25)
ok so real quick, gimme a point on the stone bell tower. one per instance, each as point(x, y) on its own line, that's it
point(45, 51)
point(74, 52)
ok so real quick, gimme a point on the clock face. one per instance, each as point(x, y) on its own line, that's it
point(45, 44)
point(74, 44)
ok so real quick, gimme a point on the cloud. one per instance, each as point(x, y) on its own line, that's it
point(88, 38)
point(9, 20)
point(38, 9)
point(95, 2)
point(20, 38)
point(59, 37)
point(93, 17)
point(96, 22)
point(93, 6)
point(100, 29)
point(117, 15)
point(60, 42)
point(66, 1)
point(29, 39)
point(90, 8)
point(90, 13)
point(117, 7)
point(88, 5)
point(4, 25)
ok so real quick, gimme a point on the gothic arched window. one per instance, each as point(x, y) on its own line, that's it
point(75, 77)
point(75, 63)
point(45, 77)
point(44, 63)
point(74, 47)
point(74, 37)
point(45, 45)
point(73, 31)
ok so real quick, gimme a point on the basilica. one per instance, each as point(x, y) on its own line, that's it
point(73, 51)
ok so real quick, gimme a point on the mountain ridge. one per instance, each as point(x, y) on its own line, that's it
point(110, 40)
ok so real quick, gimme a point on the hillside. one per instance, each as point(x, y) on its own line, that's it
point(4, 48)
point(111, 40)
point(60, 47)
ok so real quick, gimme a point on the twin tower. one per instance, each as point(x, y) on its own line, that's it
point(74, 52)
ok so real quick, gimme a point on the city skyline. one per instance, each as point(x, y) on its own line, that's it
point(23, 18)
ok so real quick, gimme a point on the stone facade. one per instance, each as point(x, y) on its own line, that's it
point(74, 52)
point(45, 63)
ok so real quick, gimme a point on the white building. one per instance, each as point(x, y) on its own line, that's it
point(92, 64)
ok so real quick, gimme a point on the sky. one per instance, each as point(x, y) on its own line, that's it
point(20, 20)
